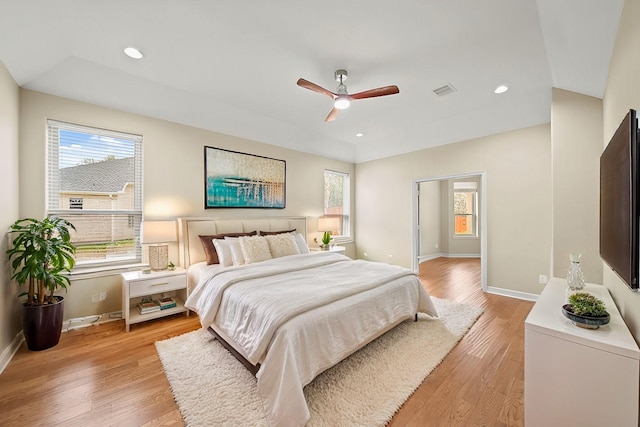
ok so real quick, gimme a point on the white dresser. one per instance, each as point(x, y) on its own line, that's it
point(575, 376)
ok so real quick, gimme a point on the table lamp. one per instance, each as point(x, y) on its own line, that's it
point(328, 223)
point(157, 234)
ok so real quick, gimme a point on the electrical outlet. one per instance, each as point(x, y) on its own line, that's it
point(103, 296)
point(542, 279)
point(95, 297)
point(437, 246)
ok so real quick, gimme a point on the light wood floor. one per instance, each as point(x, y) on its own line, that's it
point(481, 381)
point(102, 376)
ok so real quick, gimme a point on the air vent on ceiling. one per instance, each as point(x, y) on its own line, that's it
point(444, 90)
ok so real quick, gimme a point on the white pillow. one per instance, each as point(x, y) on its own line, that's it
point(302, 244)
point(282, 245)
point(224, 252)
point(235, 249)
point(254, 249)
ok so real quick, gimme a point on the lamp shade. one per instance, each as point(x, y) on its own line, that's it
point(157, 231)
point(328, 223)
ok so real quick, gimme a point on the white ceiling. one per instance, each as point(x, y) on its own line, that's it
point(231, 66)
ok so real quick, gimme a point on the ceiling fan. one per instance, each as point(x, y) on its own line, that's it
point(341, 99)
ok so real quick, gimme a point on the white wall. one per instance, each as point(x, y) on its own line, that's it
point(518, 171)
point(576, 144)
point(173, 176)
point(623, 93)
point(10, 323)
point(444, 212)
point(430, 218)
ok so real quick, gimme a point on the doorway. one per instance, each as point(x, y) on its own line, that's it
point(441, 228)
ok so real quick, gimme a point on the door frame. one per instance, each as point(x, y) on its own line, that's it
point(415, 231)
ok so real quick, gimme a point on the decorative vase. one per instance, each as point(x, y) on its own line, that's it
point(575, 277)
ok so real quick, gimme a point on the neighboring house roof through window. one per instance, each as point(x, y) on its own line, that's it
point(108, 176)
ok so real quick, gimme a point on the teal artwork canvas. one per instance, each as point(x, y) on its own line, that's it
point(240, 180)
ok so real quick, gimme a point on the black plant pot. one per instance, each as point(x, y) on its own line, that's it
point(42, 324)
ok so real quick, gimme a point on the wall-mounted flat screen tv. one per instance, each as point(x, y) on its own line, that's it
point(619, 202)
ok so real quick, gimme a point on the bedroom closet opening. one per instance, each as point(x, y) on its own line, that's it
point(450, 220)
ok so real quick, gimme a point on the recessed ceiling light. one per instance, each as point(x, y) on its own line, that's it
point(134, 53)
point(501, 89)
point(359, 134)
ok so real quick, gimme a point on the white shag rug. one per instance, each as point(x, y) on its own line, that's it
point(213, 389)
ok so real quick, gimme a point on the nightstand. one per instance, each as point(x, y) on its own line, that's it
point(136, 285)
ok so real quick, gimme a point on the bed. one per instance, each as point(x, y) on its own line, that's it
point(290, 317)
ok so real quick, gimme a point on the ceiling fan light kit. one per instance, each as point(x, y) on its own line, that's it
point(342, 102)
point(341, 98)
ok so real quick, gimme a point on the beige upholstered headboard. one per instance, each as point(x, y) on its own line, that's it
point(190, 247)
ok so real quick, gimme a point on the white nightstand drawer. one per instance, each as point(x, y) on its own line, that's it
point(155, 285)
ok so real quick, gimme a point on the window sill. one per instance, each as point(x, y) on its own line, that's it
point(80, 273)
point(342, 240)
point(467, 237)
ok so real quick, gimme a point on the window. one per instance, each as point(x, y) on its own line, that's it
point(94, 180)
point(337, 200)
point(465, 198)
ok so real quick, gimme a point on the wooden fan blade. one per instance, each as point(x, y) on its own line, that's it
point(333, 114)
point(372, 93)
point(314, 87)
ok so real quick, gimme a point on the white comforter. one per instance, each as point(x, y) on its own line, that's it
point(324, 303)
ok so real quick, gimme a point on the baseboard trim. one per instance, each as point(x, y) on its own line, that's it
point(67, 325)
point(424, 258)
point(463, 256)
point(10, 351)
point(513, 294)
point(95, 319)
point(430, 257)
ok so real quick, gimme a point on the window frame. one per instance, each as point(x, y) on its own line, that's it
point(54, 189)
point(345, 235)
point(470, 187)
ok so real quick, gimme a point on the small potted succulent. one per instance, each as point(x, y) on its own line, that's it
point(586, 311)
point(326, 241)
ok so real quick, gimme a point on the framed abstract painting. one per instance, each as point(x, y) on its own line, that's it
point(240, 180)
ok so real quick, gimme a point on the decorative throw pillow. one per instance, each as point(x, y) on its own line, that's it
point(254, 249)
point(210, 250)
point(235, 249)
point(271, 233)
point(303, 247)
point(282, 245)
point(224, 252)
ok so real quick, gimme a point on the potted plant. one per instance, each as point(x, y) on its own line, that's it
point(586, 311)
point(326, 240)
point(40, 254)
